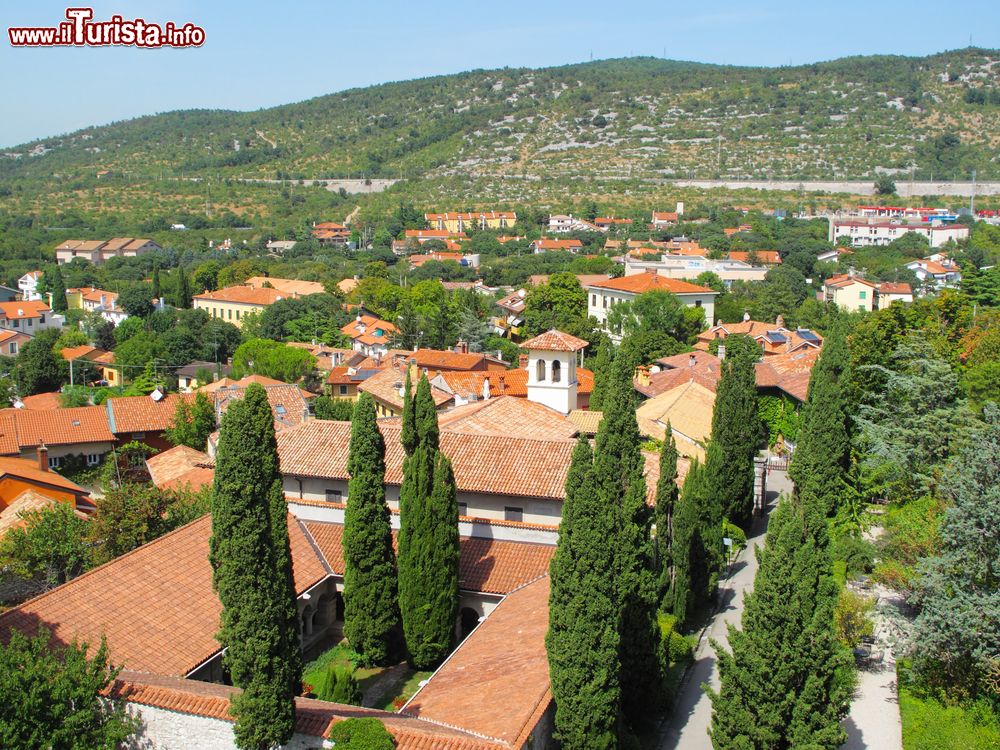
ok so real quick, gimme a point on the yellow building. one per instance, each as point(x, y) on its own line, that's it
point(851, 292)
point(233, 303)
point(459, 222)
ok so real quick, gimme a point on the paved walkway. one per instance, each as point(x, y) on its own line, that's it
point(687, 728)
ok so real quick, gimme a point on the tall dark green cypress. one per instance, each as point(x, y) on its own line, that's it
point(582, 640)
point(252, 573)
point(620, 485)
point(428, 535)
point(736, 430)
point(786, 682)
point(156, 281)
point(667, 493)
point(821, 461)
point(371, 606)
point(694, 567)
point(58, 288)
point(184, 297)
point(601, 367)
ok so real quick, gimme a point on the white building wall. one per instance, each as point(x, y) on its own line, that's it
point(600, 301)
point(545, 390)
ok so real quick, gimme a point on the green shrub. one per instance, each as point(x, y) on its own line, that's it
point(338, 685)
point(361, 734)
point(852, 617)
point(858, 554)
point(933, 723)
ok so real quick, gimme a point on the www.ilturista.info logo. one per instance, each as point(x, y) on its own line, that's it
point(80, 31)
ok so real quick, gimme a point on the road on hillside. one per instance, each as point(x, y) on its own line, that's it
point(687, 728)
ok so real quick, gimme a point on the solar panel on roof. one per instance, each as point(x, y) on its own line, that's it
point(806, 335)
point(775, 337)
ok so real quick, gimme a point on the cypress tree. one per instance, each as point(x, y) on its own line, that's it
point(693, 566)
point(252, 573)
point(821, 461)
point(736, 431)
point(602, 371)
point(785, 683)
point(156, 281)
point(371, 608)
point(667, 493)
point(58, 288)
point(621, 487)
point(428, 535)
point(184, 297)
point(582, 640)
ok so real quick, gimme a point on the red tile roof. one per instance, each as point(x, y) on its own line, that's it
point(27, 468)
point(370, 323)
point(444, 359)
point(244, 295)
point(650, 280)
point(84, 424)
point(545, 244)
point(181, 467)
point(506, 382)
point(488, 687)
point(508, 415)
point(890, 287)
point(43, 401)
point(155, 604)
point(387, 387)
point(490, 566)
point(24, 310)
point(555, 341)
point(767, 257)
point(142, 413)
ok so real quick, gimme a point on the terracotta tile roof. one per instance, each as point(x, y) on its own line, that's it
point(890, 287)
point(181, 467)
point(845, 280)
point(244, 295)
point(24, 310)
point(43, 401)
point(508, 415)
point(241, 383)
point(586, 421)
point(84, 424)
point(386, 385)
point(585, 279)
point(545, 244)
point(155, 604)
point(443, 359)
point(9, 445)
point(371, 324)
point(490, 566)
point(555, 341)
point(496, 683)
point(490, 464)
point(286, 286)
point(505, 382)
point(649, 280)
point(27, 468)
point(767, 257)
point(688, 408)
point(312, 717)
point(773, 338)
point(142, 413)
point(416, 261)
point(664, 216)
point(84, 351)
point(288, 403)
point(26, 502)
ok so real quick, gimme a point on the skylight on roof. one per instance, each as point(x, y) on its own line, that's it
point(280, 409)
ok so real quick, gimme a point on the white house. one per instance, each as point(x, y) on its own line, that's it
point(570, 223)
point(28, 317)
point(936, 273)
point(864, 233)
point(552, 369)
point(603, 295)
point(28, 285)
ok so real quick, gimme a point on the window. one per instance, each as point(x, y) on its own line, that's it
point(237, 314)
point(862, 295)
point(16, 323)
point(604, 301)
point(463, 509)
point(54, 462)
point(697, 303)
point(138, 435)
point(41, 319)
point(540, 370)
point(334, 496)
point(343, 390)
point(593, 300)
point(513, 514)
point(12, 348)
point(93, 459)
point(230, 315)
point(556, 371)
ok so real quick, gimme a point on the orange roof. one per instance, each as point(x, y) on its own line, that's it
point(555, 341)
point(890, 287)
point(370, 323)
point(508, 415)
point(312, 717)
point(155, 605)
point(329, 225)
point(241, 383)
point(387, 385)
point(845, 280)
point(649, 280)
point(288, 286)
point(84, 351)
point(181, 467)
point(142, 413)
point(491, 566)
point(418, 260)
point(244, 295)
point(664, 216)
point(506, 382)
point(445, 359)
point(83, 424)
point(27, 468)
point(24, 310)
point(43, 401)
point(544, 244)
point(768, 257)
point(489, 687)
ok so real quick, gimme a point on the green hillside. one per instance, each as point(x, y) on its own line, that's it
point(505, 134)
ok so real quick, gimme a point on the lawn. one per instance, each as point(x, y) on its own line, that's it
point(383, 687)
point(929, 724)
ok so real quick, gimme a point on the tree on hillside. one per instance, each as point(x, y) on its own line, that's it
point(582, 640)
point(251, 559)
point(885, 185)
point(618, 480)
point(136, 301)
point(957, 633)
point(561, 303)
point(53, 695)
point(736, 431)
point(428, 534)
point(667, 493)
point(52, 283)
point(182, 290)
point(371, 608)
point(786, 682)
point(821, 460)
point(156, 281)
point(38, 369)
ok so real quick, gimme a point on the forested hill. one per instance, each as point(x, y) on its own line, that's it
point(640, 117)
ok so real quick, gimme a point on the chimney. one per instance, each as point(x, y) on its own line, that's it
point(722, 351)
point(746, 316)
point(462, 347)
point(486, 389)
point(522, 362)
point(642, 374)
point(43, 457)
point(780, 321)
point(693, 360)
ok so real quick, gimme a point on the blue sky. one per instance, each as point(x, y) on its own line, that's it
point(260, 54)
